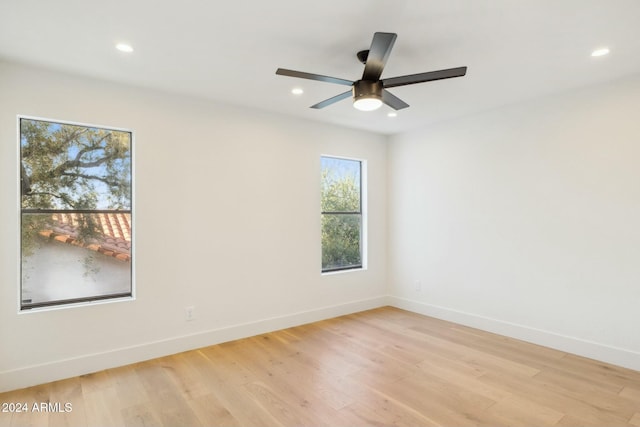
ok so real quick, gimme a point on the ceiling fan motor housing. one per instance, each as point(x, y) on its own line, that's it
point(367, 95)
point(367, 89)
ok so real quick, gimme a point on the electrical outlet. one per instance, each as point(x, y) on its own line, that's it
point(189, 313)
point(417, 285)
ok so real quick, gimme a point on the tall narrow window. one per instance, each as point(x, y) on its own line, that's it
point(342, 222)
point(76, 213)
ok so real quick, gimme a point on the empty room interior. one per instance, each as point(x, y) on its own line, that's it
point(199, 228)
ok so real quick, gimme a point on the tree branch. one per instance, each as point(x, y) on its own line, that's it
point(96, 146)
point(77, 161)
point(81, 175)
point(57, 196)
point(25, 181)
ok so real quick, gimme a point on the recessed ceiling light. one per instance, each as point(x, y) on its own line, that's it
point(392, 114)
point(124, 47)
point(600, 52)
point(297, 91)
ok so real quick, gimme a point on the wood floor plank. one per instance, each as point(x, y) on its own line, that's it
point(525, 412)
point(603, 371)
point(572, 421)
point(102, 407)
point(272, 401)
point(139, 415)
point(129, 388)
point(446, 409)
point(546, 395)
point(212, 412)
point(589, 393)
point(96, 381)
point(215, 369)
point(630, 393)
point(64, 393)
point(453, 374)
point(304, 376)
point(286, 397)
point(382, 367)
point(26, 398)
point(382, 411)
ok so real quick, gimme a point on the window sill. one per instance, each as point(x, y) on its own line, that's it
point(75, 305)
point(347, 270)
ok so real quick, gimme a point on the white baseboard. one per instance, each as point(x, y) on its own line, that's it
point(88, 363)
point(593, 350)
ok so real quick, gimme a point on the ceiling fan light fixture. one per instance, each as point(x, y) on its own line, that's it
point(367, 103)
point(367, 96)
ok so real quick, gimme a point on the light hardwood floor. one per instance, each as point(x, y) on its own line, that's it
point(381, 367)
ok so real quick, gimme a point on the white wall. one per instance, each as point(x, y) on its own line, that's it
point(226, 219)
point(526, 221)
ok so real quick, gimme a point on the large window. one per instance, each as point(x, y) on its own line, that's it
point(75, 213)
point(342, 219)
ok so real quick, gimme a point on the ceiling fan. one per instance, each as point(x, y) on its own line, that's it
point(370, 92)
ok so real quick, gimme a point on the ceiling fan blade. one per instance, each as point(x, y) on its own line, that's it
point(424, 77)
point(332, 100)
point(309, 76)
point(379, 51)
point(393, 101)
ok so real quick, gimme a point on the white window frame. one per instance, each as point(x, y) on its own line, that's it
point(364, 217)
point(131, 296)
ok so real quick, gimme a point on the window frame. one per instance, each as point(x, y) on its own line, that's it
point(87, 300)
point(362, 212)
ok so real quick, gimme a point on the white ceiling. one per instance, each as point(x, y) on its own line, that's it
point(229, 51)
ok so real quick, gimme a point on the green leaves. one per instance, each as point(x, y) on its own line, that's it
point(340, 193)
point(341, 241)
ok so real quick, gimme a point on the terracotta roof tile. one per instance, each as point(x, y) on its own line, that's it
point(114, 228)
